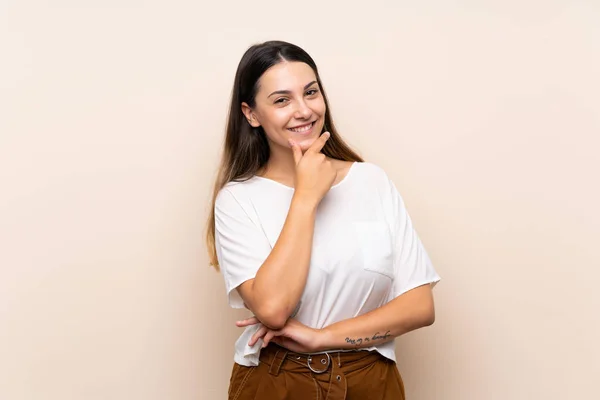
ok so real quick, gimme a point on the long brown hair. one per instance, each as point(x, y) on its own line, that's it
point(246, 149)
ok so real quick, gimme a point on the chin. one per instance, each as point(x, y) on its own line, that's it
point(307, 142)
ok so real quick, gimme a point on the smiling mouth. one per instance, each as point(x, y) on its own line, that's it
point(303, 128)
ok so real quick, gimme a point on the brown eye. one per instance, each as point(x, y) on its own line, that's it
point(312, 92)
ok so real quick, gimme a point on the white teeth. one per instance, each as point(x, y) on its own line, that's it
point(303, 129)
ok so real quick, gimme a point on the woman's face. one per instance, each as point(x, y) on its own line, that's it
point(289, 105)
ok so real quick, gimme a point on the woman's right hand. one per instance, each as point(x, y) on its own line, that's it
point(314, 172)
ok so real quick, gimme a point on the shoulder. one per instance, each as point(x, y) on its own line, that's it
point(234, 194)
point(372, 168)
point(373, 173)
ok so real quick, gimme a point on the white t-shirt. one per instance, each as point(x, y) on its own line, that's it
point(365, 250)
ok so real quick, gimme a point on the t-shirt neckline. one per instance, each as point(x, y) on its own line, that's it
point(291, 188)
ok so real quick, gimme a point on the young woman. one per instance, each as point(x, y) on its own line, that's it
point(316, 243)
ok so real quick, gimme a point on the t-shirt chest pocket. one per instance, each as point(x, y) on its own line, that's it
point(374, 247)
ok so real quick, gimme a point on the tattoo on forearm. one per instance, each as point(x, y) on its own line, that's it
point(376, 337)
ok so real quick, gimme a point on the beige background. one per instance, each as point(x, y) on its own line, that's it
point(485, 114)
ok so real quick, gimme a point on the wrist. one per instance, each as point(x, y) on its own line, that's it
point(325, 340)
point(304, 202)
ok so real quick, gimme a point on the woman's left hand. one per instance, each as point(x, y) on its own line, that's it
point(293, 336)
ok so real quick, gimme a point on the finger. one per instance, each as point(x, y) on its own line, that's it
point(260, 333)
point(247, 321)
point(318, 144)
point(296, 151)
point(270, 335)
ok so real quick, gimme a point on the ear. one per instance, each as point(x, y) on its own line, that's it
point(252, 120)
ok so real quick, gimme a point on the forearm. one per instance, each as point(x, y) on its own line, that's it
point(410, 311)
point(280, 281)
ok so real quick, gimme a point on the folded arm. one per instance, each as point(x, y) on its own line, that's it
point(407, 312)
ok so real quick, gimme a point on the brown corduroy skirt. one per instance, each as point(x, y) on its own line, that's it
point(282, 374)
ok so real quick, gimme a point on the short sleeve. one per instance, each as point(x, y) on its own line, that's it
point(241, 245)
point(412, 265)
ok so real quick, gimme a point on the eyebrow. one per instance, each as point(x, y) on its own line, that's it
point(288, 92)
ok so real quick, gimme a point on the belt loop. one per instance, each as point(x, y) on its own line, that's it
point(277, 361)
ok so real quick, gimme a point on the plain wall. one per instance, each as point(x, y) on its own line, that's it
point(485, 114)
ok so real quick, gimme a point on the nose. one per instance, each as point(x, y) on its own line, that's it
point(302, 110)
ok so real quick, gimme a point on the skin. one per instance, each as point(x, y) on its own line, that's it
point(289, 97)
point(303, 103)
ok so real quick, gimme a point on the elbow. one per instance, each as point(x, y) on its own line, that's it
point(266, 309)
point(428, 316)
point(272, 317)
